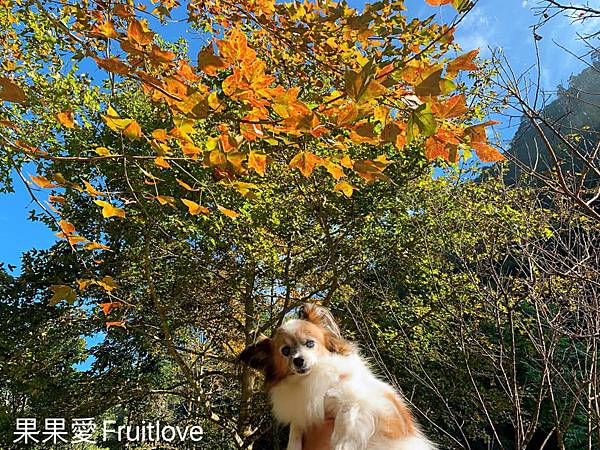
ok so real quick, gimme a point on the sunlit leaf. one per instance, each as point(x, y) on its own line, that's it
point(109, 210)
point(194, 208)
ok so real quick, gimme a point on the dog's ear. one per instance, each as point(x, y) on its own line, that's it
point(257, 355)
point(337, 344)
point(321, 316)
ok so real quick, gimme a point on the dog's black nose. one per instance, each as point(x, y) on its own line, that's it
point(299, 362)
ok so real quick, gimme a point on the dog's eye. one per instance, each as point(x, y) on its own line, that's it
point(310, 344)
point(286, 351)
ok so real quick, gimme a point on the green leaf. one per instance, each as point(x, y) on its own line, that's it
point(421, 123)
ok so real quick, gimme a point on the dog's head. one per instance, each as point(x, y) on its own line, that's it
point(297, 345)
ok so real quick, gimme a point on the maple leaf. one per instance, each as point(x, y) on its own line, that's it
point(194, 208)
point(11, 92)
point(209, 63)
point(258, 162)
point(113, 65)
point(62, 292)
point(162, 163)
point(305, 162)
point(139, 34)
point(92, 190)
point(107, 283)
point(345, 188)
point(165, 200)
point(185, 185)
point(109, 210)
point(439, 2)
point(453, 107)
point(95, 246)
point(66, 119)
point(133, 130)
point(106, 307)
point(463, 62)
point(228, 212)
point(43, 182)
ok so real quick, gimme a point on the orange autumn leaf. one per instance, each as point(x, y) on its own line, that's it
point(162, 163)
point(66, 119)
point(463, 62)
point(486, 153)
point(439, 2)
point(165, 200)
point(228, 212)
point(305, 162)
point(106, 307)
point(56, 199)
point(43, 182)
point(133, 130)
point(137, 33)
point(115, 324)
point(453, 107)
point(92, 190)
point(209, 63)
point(66, 226)
point(95, 246)
point(186, 186)
point(113, 65)
point(194, 208)
point(258, 162)
point(107, 29)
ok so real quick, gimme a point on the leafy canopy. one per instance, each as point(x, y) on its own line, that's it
point(311, 85)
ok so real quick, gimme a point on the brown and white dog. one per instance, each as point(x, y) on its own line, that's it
point(314, 375)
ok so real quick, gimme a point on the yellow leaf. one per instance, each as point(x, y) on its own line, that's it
point(162, 163)
point(228, 212)
point(186, 186)
point(84, 284)
point(346, 188)
point(114, 122)
point(92, 190)
point(95, 246)
point(102, 151)
point(133, 130)
point(107, 283)
point(335, 170)
point(109, 210)
point(194, 207)
point(165, 200)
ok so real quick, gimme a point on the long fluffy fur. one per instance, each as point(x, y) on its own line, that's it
point(368, 413)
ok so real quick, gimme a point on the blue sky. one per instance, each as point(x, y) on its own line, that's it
point(493, 23)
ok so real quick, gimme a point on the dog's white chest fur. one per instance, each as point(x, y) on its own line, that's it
point(341, 387)
point(308, 400)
